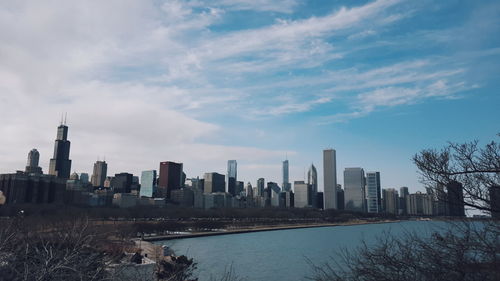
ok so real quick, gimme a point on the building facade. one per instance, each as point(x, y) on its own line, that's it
point(171, 178)
point(23, 188)
point(373, 192)
point(391, 201)
point(214, 182)
point(60, 164)
point(286, 180)
point(330, 179)
point(99, 173)
point(261, 185)
point(148, 184)
point(122, 183)
point(455, 199)
point(32, 164)
point(354, 189)
point(232, 175)
point(302, 193)
point(312, 180)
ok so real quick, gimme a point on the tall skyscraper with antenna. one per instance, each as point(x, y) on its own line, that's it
point(60, 164)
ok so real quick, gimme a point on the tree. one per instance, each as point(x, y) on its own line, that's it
point(33, 252)
point(465, 251)
point(476, 168)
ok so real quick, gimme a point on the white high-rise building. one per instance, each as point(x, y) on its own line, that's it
point(330, 179)
point(302, 192)
point(354, 189)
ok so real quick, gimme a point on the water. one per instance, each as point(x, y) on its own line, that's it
point(282, 254)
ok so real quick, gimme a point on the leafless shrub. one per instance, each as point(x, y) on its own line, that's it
point(460, 251)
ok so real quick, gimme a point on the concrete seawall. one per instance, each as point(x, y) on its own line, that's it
point(256, 229)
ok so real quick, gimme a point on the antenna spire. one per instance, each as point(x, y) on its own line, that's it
point(65, 116)
point(61, 119)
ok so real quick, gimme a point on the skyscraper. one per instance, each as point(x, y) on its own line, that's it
point(60, 164)
point(286, 181)
point(373, 192)
point(232, 174)
point(391, 201)
point(403, 193)
point(494, 193)
point(122, 183)
point(249, 190)
point(170, 178)
point(99, 173)
point(354, 189)
point(312, 179)
point(32, 165)
point(214, 182)
point(330, 179)
point(455, 199)
point(340, 198)
point(302, 194)
point(261, 185)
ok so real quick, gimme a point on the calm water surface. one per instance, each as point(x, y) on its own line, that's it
point(282, 254)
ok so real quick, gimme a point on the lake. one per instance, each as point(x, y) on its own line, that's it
point(283, 254)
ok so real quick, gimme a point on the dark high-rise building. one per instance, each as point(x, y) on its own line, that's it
point(99, 174)
point(495, 201)
point(32, 165)
point(287, 186)
point(354, 189)
point(170, 178)
point(340, 198)
point(214, 182)
point(24, 188)
point(122, 183)
point(403, 192)
point(261, 185)
point(60, 164)
point(232, 174)
point(455, 199)
point(312, 179)
point(84, 177)
point(373, 192)
point(441, 201)
point(240, 187)
point(319, 200)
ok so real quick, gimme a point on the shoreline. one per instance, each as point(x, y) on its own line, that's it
point(258, 229)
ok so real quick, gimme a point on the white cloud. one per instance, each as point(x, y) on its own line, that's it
point(281, 6)
point(145, 81)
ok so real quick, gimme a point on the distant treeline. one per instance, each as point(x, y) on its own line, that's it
point(179, 213)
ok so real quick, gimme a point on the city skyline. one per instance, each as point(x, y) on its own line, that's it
point(202, 82)
point(100, 171)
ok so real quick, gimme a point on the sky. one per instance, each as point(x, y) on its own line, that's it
point(201, 82)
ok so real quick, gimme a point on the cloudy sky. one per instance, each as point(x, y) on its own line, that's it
point(201, 82)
